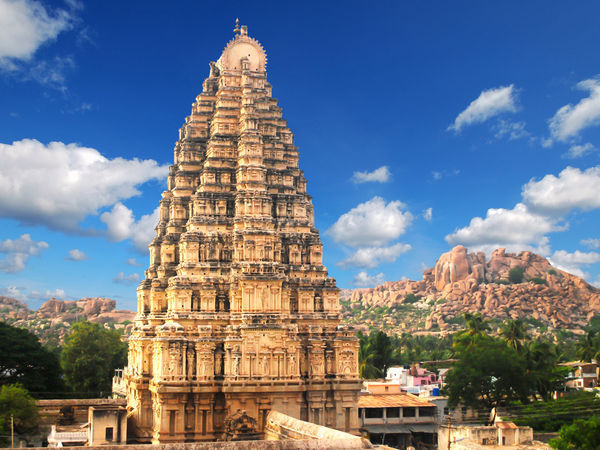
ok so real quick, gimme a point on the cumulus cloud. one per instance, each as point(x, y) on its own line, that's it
point(121, 225)
point(373, 256)
point(121, 278)
point(76, 255)
point(381, 175)
point(579, 150)
point(515, 229)
point(428, 214)
point(591, 243)
point(490, 103)
point(511, 130)
point(557, 195)
point(373, 223)
point(58, 185)
point(25, 25)
point(363, 279)
point(132, 262)
point(18, 251)
point(570, 120)
point(573, 262)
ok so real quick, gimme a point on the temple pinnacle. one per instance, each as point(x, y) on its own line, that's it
point(236, 30)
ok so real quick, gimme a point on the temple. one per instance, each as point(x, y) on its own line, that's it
point(237, 315)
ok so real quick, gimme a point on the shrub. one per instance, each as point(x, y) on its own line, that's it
point(552, 272)
point(538, 280)
point(411, 298)
point(515, 275)
point(501, 281)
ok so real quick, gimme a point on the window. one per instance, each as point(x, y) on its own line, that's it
point(109, 433)
point(373, 413)
point(393, 412)
point(409, 412)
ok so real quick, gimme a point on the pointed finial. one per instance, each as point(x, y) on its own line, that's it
point(236, 30)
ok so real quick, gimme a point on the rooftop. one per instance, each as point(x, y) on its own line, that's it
point(391, 400)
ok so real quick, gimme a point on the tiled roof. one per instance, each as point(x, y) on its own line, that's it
point(391, 400)
point(506, 425)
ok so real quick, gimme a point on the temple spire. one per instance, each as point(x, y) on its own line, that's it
point(236, 30)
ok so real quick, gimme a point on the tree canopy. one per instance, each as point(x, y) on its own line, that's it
point(24, 360)
point(90, 355)
point(582, 434)
point(15, 401)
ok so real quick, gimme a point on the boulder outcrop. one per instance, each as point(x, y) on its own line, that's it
point(468, 282)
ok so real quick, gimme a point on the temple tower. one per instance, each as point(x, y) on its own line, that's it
point(237, 312)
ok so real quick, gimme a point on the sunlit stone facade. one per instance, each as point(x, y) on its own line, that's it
point(237, 311)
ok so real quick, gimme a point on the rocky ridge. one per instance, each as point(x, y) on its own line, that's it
point(466, 282)
point(52, 321)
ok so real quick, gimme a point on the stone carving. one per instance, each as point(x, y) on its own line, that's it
point(235, 293)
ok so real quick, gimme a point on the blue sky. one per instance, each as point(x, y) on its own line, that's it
point(420, 125)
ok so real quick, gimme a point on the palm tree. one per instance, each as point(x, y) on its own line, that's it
point(514, 333)
point(476, 328)
point(588, 347)
point(366, 368)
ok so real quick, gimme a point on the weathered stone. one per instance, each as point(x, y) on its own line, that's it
point(237, 311)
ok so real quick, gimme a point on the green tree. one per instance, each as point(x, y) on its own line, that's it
point(582, 434)
point(514, 333)
point(487, 374)
point(90, 355)
point(476, 328)
point(24, 360)
point(15, 401)
point(542, 370)
point(515, 275)
point(588, 347)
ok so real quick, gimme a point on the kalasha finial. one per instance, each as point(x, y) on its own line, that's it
point(236, 30)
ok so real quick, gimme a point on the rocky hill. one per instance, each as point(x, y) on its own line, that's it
point(54, 318)
point(547, 297)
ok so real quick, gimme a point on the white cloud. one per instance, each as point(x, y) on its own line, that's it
point(373, 256)
point(13, 292)
point(428, 214)
point(373, 223)
point(17, 252)
point(579, 150)
point(572, 189)
point(381, 175)
point(363, 279)
point(591, 243)
point(76, 255)
point(490, 103)
point(25, 25)
point(511, 130)
point(132, 262)
point(52, 72)
point(570, 120)
point(439, 174)
point(515, 229)
point(121, 278)
point(121, 225)
point(58, 185)
point(573, 262)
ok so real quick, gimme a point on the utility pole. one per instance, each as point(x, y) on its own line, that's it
point(449, 427)
point(12, 431)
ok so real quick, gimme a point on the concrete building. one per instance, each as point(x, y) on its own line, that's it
point(502, 434)
point(582, 375)
point(237, 311)
point(397, 419)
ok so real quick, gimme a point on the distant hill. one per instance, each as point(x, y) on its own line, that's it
point(549, 299)
point(51, 322)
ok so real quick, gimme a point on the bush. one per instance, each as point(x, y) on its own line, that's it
point(552, 272)
point(538, 280)
point(502, 281)
point(515, 275)
point(411, 298)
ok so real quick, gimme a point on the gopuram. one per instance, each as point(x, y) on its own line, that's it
point(237, 315)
